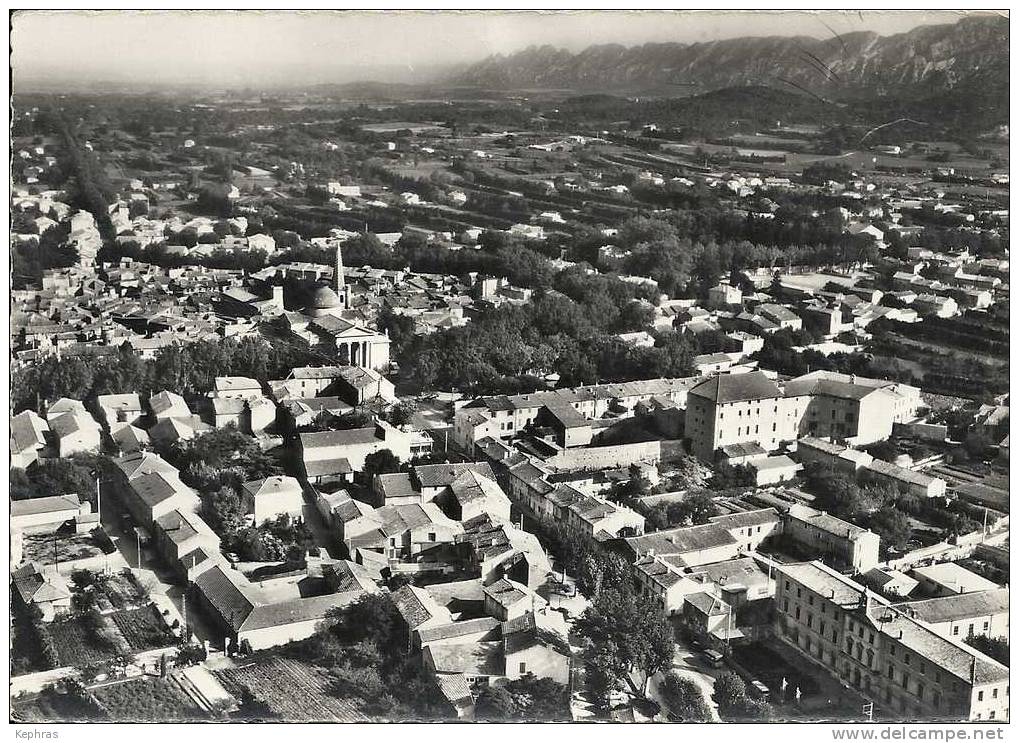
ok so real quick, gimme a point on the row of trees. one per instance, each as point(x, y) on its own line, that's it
point(189, 370)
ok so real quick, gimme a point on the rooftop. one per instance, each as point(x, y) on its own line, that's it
point(737, 388)
point(960, 606)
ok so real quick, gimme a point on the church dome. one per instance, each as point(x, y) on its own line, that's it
point(324, 298)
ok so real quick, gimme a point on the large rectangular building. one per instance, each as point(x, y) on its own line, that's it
point(902, 664)
point(752, 408)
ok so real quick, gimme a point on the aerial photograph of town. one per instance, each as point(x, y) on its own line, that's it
point(509, 366)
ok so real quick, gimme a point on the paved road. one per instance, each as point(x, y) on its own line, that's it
point(688, 664)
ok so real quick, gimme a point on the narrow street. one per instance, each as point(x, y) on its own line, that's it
point(689, 664)
point(151, 574)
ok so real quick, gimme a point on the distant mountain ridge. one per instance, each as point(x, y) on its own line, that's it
point(924, 61)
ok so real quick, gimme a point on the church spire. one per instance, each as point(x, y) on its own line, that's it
point(339, 270)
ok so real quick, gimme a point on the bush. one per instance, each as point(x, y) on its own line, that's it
point(190, 655)
point(734, 702)
point(685, 699)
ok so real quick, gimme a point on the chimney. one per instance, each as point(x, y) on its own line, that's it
point(277, 295)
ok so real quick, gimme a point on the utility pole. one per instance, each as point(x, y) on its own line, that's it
point(99, 500)
point(728, 629)
point(138, 542)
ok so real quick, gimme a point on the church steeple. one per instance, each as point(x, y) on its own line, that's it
point(339, 270)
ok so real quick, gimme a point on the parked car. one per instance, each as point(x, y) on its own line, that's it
point(759, 689)
point(714, 658)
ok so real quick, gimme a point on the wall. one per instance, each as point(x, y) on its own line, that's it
point(601, 457)
point(940, 552)
point(927, 431)
point(541, 661)
point(272, 636)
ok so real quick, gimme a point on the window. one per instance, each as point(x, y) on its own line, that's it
point(797, 612)
point(986, 626)
point(787, 585)
point(906, 659)
point(785, 605)
point(810, 620)
point(431, 536)
point(810, 600)
point(955, 630)
point(891, 671)
point(970, 632)
point(919, 691)
point(905, 681)
point(523, 668)
point(994, 693)
point(980, 696)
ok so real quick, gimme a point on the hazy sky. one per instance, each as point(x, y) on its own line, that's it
point(256, 47)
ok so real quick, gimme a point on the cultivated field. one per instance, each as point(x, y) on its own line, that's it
point(146, 700)
point(143, 628)
point(293, 690)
